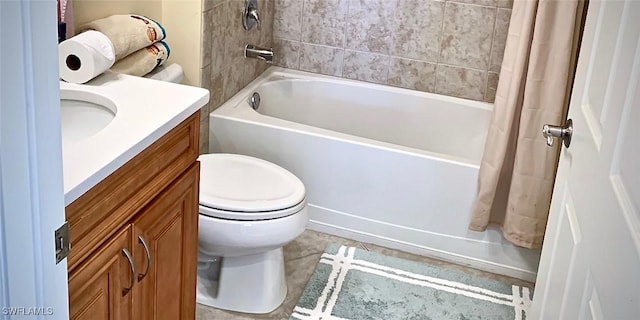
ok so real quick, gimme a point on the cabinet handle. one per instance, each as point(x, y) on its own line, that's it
point(146, 249)
point(127, 254)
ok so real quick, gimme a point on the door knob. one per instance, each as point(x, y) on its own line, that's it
point(550, 132)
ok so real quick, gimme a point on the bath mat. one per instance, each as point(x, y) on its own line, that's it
point(351, 283)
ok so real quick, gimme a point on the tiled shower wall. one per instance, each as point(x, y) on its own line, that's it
point(451, 47)
point(225, 70)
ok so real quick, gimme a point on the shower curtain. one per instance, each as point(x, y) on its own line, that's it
point(517, 171)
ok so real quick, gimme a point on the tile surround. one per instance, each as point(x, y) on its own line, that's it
point(461, 82)
point(499, 39)
point(286, 53)
point(488, 3)
point(215, 52)
point(288, 19)
point(224, 69)
point(365, 66)
point(233, 78)
point(324, 21)
point(492, 86)
point(209, 4)
point(467, 35)
point(216, 91)
point(452, 47)
point(417, 29)
point(412, 74)
point(321, 59)
point(204, 135)
point(505, 4)
point(374, 33)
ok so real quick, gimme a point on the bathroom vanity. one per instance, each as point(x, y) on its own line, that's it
point(134, 225)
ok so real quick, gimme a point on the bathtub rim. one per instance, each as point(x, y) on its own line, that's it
point(303, 75)
point(233, 109)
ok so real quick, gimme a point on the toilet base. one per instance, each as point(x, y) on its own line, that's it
point(251, 284)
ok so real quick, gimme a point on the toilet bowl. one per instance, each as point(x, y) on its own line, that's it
point(249, 209)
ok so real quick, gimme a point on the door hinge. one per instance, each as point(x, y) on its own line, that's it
point(63, 246)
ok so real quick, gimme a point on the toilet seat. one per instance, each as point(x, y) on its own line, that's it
point(238, 187)
point(250, 216)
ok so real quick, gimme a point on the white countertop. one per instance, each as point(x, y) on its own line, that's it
point(146, 110)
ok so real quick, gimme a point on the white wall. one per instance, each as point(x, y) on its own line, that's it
point(183, 21)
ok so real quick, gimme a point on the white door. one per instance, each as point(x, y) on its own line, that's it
point(590, 264)
point(32, 285)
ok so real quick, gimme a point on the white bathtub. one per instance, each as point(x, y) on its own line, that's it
point(384, 165)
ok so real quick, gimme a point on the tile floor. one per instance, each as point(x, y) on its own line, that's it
point(301, 257)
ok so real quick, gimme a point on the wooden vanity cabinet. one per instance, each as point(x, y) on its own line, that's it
point(167, 232)
point(96, 288)
point(157, 231)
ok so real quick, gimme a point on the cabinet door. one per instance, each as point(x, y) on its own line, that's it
point(165, 246)
point(101, 288)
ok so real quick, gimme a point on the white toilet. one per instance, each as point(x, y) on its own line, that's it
point(170, 73)
point(249, 209)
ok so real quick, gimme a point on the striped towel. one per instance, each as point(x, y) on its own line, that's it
point(128, 32)
point(144, 60)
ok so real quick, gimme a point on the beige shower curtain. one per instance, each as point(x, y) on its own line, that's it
point(518, 169)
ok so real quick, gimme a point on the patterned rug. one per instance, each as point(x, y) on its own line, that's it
point(351, 283)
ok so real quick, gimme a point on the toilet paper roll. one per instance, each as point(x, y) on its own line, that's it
point(85, 56)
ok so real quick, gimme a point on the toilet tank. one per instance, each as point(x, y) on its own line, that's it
point(169, 73)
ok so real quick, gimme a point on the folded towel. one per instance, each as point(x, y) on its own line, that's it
point(128, 32)
point(143, 61)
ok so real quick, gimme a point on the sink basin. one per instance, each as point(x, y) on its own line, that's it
point(83, 114)
point(118, 117)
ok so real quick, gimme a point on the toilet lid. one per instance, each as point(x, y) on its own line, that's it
point(244, 184)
